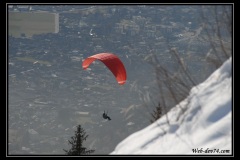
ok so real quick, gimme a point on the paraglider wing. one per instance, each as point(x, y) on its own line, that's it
point(114, 64)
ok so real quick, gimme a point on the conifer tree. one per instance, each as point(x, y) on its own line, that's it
point(157, 113)
point(77, 143)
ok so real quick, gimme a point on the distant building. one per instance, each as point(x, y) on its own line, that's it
point(32, 23)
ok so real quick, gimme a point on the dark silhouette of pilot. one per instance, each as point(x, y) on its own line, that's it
point(105, 116)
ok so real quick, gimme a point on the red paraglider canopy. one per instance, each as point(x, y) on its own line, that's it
point(114, 64)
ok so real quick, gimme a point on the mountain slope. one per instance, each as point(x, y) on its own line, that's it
point(200, 124)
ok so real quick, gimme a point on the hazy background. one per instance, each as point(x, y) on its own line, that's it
point(48, 91)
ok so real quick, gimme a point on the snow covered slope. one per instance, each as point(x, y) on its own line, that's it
point(201, 124)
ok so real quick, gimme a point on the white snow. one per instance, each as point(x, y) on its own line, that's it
point(204, 123)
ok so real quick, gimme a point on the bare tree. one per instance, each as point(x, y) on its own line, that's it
point(175, 83)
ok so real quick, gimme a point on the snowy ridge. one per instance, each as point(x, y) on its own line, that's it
point(200, 124)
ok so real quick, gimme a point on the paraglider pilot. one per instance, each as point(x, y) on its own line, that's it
point(105, 116)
